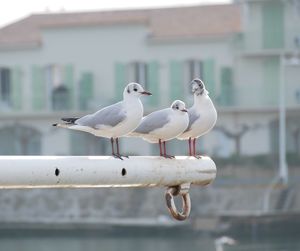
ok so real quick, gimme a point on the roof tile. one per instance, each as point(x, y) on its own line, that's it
point(171, 23)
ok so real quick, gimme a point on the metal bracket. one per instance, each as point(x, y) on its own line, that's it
point(183, 191)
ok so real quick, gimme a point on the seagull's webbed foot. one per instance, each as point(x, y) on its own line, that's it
point(124, 156)
point(197, 156)
point(117, 156)
point(167, 156)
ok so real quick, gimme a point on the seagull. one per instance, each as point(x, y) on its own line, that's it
point(113, 121)
point(202, 116)
point(219, 243)
point(163, 125)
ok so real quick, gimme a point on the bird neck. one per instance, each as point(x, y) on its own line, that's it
point(200, 99)
point(127, 97)
point(131, 100)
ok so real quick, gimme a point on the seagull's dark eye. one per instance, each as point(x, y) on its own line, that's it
point(135, 89)
point(201, 85)
point(177, 107)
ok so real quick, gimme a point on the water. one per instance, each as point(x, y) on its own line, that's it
point(131, 240)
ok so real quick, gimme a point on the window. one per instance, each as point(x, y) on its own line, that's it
point(183, 72)
point(20, 140)
point(194, 69)
point(86, 90)
point(5, 86)
point(273, 24)
point(138, 73)
point(58, 92)
point(60, 98)
point(146, 74)
point(227, 89)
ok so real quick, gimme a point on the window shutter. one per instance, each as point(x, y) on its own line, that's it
point(176, 80)
point(209, 76)
point(271, 80)
point(39, 93)
point(17, 96)
point(273, 24)
point(120, 79)
point(226, 97)
point(69, 83)
point(153, 82)
point(86, 90)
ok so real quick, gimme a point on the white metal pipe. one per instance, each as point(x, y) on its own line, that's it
point(283, 169)
point(103, 171)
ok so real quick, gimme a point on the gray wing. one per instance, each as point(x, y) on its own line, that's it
point(192, 118)
point(154, 120)
point(110, 116)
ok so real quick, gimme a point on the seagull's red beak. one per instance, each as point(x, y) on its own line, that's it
point(184, 110)
point(146, 93)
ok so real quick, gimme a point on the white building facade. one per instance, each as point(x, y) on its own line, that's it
point(70, 64)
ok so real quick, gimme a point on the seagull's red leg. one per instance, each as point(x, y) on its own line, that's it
point(113, 150)
point(194, 151)
point(118, 151)
point(194, 147)
point(190, 146)
point(112, 146)
point(165, 152)
point(160, 149)
point(117, 143)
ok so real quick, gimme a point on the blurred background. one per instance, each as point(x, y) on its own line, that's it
point(71, 61)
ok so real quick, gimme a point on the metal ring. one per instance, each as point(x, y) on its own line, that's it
point(186, 203)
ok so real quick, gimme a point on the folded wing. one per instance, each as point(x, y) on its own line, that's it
point(108, 116)
point(153, 121)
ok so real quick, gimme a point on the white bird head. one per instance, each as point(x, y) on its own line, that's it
point(179, 106)
point(135, 90)
point(198, 87)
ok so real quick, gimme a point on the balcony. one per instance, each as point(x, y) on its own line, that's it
point(252, 43)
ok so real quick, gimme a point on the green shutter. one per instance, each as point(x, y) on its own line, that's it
point(226, 97)
point(39, 92)
point(69, 82)
point(176, 80)
point(86, 90)
point(16, 88)
point(209, 76)
point(273, 24)
point(153, 82)
point(120, 80)
point(271, 79)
